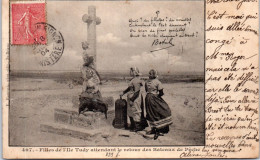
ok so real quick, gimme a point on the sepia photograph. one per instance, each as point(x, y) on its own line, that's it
point(99, 73)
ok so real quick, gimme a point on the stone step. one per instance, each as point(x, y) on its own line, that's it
point(88, 120)
point(105, 133)
point(71, 131)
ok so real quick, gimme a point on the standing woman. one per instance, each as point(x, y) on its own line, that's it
point(134, 100)
point(158, 112)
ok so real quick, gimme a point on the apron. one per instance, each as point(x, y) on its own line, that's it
point(134, 108)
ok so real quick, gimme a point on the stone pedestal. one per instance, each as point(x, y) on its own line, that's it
point(87, 120)
point(67, 122)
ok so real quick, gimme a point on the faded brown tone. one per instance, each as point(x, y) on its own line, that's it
point(231, 108)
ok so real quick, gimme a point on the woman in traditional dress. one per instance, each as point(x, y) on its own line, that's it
point(134, 101)
point(91, 78)
point(90, 98)
point(158, 112)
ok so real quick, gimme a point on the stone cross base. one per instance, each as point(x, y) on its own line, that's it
point(67, 122)
point(88, 120)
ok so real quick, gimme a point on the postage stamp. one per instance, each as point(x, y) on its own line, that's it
point(24, 17)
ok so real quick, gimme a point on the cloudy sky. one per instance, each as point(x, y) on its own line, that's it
point(115, 50)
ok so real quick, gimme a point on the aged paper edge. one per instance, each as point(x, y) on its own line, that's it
point(11, 152)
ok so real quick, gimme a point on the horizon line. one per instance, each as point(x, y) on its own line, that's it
point(97, 70)
point(111, 71)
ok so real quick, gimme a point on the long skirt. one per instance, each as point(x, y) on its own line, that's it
point(158, 112)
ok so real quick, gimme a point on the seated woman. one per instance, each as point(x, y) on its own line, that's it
point(134, 100)
point(158, 112)
point(90, 98)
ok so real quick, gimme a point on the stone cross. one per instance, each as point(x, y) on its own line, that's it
point(92, 21)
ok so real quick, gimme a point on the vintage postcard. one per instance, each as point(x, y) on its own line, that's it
point(130, 79)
